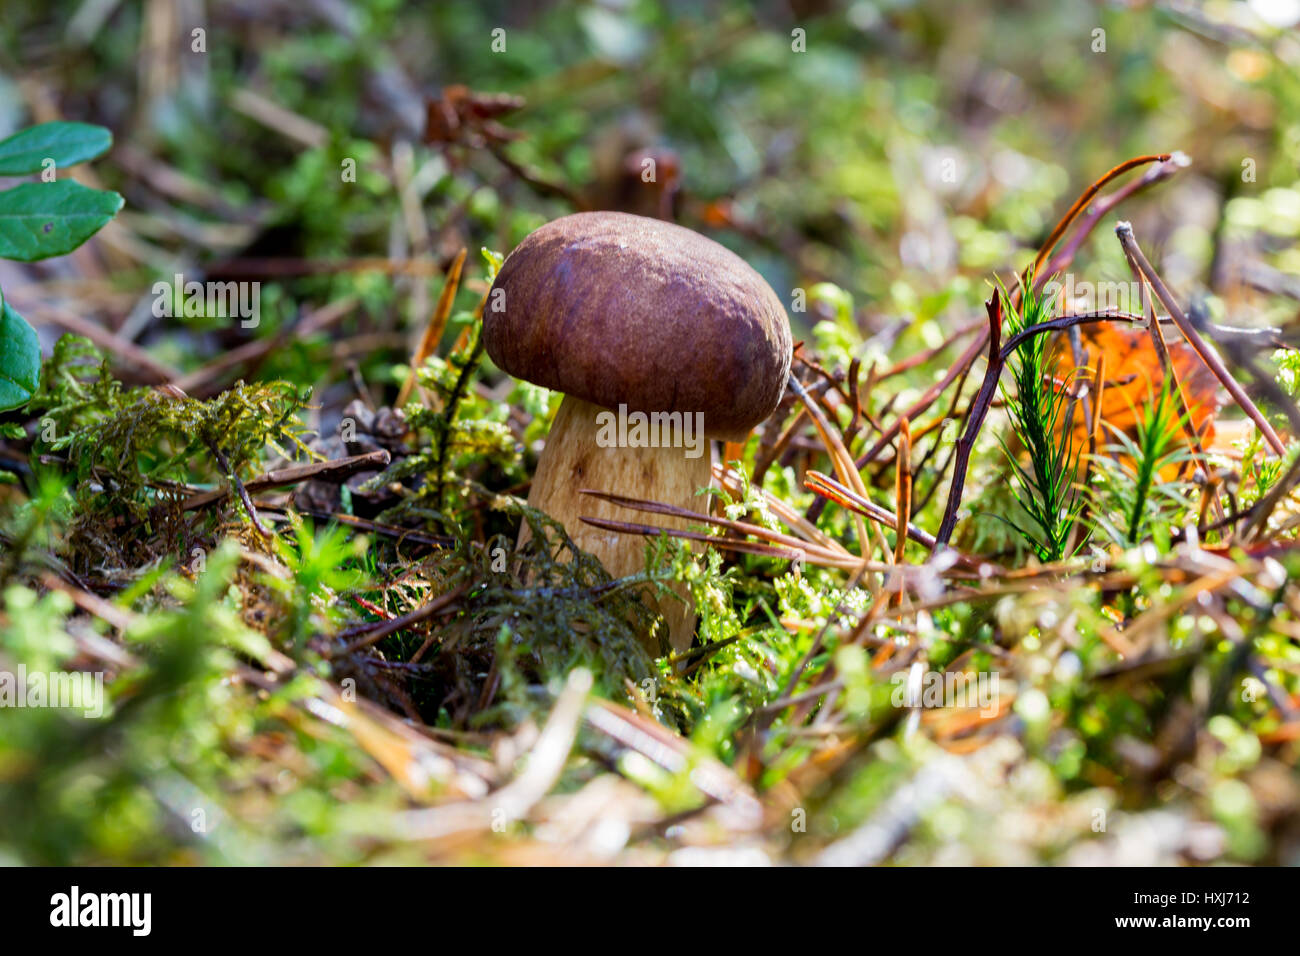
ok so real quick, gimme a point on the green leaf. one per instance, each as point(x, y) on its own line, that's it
point(65, 143)
point(40, 220)
point(20, 360)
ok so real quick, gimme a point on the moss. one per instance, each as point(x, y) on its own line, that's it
point(130, 456)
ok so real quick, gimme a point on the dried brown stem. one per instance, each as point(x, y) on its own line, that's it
point(338, 469)
point(234, 479)
point(1207, 354)
point(433, 331)
point(740, 527)
point(977, 346)
point(984, 398)
point(374, 633)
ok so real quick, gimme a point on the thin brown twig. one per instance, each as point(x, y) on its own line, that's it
point(1207, 354)
point(1035, 269)
point(768, 454)
point(984, 398)
point(725, 544)
point(234, 479)
point(740, 527)
point(844, 467)
point(1104, 205)
point(197, 381)
point(377, 632)
point(977, 346)
point(832, 490)
point(903, 493)
point(337, 469)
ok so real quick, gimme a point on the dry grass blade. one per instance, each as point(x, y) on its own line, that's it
point(371, 633)
point(1080, 205)
point(828, 487)
point(543, 767)
point(727, 544)
point(433, 331)
point(675, 754)
point(415, 761)
point(902, 496)
point(903, 487)
point(845, 467)
point(204, 379)
point(741, 527)
point(732, 482)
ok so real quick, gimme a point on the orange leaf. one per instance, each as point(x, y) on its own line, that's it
point(1133, 377)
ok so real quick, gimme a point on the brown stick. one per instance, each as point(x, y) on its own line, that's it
point(832, 490)
point(1101, 207)
point(128, 351)
point(979, 408)
point(385, 628)
point(1170, 372)
point(902, 497)
point(1207, 355)
point(927, 399)
point(1080, 204)
point(843, 463)
point(203, 379)
point(740, 527)
point(984, 398)
point(234, 479)
point(903, 487)
point(285, 266)
point(200, 379)
point(337, 469)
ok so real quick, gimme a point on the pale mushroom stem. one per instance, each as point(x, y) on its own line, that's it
point(578, 454)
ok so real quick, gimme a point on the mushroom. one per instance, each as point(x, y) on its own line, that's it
point(659, 339)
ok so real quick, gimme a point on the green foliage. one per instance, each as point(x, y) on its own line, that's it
point(808, 165)
point(1131, 499)
point(63, 144)
point(132, 437)
point(42, 220)
point(1259, 472)
point(131, 453)
point(20, 359)
point(321, 564)
point(163, 774)
point(1039, 410)
point(554, 607)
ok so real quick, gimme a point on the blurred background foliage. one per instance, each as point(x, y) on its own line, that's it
point(912, 149)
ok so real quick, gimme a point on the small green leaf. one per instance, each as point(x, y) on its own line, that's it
point(65, 143)
point(20, 360)
point(40, 220)
point(494, 261)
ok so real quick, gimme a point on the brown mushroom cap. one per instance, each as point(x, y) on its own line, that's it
point(619, 309)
